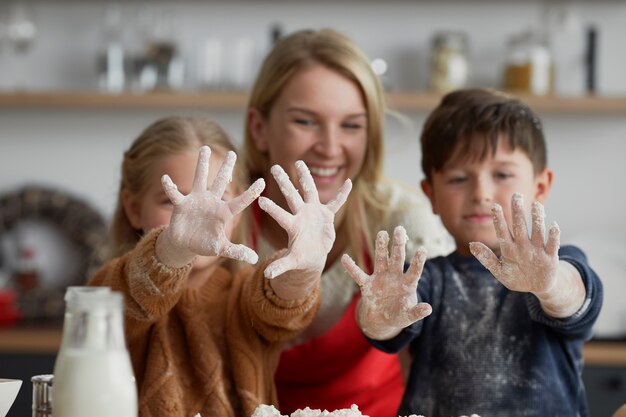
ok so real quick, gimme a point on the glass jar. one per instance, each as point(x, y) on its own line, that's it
point(93, 375)
point(529, 66)
point(449, 66)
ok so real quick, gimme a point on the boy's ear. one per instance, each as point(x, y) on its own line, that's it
point(543, 185)
point(132, 208)
point(427, 187)
point(256, 126)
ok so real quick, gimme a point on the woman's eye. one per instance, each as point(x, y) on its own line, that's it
point(305, 122)
point(352, 126)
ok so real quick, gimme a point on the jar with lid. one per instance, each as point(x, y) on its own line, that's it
point(449, 67)
point(529, 66)
point(93, 375)
point(42, 395)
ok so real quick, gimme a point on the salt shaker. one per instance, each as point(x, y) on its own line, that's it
point(42, 395)
point(93, 375)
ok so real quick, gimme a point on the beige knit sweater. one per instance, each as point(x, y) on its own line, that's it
point(211, 350)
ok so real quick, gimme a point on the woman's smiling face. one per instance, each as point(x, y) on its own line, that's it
point(320, 118)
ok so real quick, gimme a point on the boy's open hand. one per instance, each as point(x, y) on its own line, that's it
point(526, 264)
point(310, 226)
point(389, 296)
point(199, 219)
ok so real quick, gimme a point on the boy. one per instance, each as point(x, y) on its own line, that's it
point(509, 346)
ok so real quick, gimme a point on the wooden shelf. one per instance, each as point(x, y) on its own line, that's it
point(44, 340)
point(596, 105)
point(93, 100)
point(47, 341)
point(605, 353)
point(410, 102)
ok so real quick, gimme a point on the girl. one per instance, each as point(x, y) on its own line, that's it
point(201, 339)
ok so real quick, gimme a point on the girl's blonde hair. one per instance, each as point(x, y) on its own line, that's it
point(305, 49)
point(164, 137)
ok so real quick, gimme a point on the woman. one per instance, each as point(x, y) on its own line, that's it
point(317, 99)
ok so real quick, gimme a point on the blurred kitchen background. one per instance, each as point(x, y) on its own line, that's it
point(80, 79)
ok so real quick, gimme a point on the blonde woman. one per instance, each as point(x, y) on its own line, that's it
point(317, 99)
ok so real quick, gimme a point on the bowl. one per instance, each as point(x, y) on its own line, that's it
point(8, 391)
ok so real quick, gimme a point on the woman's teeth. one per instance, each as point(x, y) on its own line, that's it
point(323, 172)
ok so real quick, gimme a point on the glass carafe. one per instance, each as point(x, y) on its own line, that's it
point(93, 375)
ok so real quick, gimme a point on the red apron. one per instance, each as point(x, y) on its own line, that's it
point(338, 369)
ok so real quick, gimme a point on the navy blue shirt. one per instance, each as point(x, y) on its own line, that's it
point(491, 351)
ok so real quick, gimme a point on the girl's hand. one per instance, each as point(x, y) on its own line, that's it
point(310, 226)
point(199, 219)
point(389, 296)
point(526, 264)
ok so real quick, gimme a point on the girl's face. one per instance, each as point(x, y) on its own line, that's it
point(319, 118)
point(464, 192)
point(154, 209)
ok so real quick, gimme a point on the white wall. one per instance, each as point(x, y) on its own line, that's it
point(80, 151)
point(63, 55)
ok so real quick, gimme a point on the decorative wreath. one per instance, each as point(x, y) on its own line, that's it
point(83, 225)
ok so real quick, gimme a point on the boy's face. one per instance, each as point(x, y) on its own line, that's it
point(464, 191)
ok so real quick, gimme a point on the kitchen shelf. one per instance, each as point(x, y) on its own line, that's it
point(38, 340)
point(93, 100)
point(411, 102)
point(46, 340)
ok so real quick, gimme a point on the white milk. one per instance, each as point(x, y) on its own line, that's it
point(94, 383)
point(93, 376)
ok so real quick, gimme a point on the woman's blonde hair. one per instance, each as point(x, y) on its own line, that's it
point(164, 137)
point(326, 47)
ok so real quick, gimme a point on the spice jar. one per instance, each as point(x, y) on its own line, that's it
point(449, 65)
point(529, 66)
point(42, 395)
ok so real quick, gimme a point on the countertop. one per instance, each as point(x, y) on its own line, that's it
point(46, 340)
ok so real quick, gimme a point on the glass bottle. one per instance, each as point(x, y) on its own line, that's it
point(111, 57)
point(93, 375)
point(449, 65)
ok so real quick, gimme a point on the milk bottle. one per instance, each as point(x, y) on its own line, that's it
point(93, 375)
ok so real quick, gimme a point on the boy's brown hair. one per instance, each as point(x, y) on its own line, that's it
point(468, 123)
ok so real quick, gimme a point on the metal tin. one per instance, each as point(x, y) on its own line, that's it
point(42, 395)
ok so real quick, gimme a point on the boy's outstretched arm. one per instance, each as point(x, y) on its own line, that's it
point(311, 232)
point(530, 264)
point(388, 301)
point(199, 219)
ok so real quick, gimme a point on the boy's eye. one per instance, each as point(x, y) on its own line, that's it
point(457, 179)
point(502, 175)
